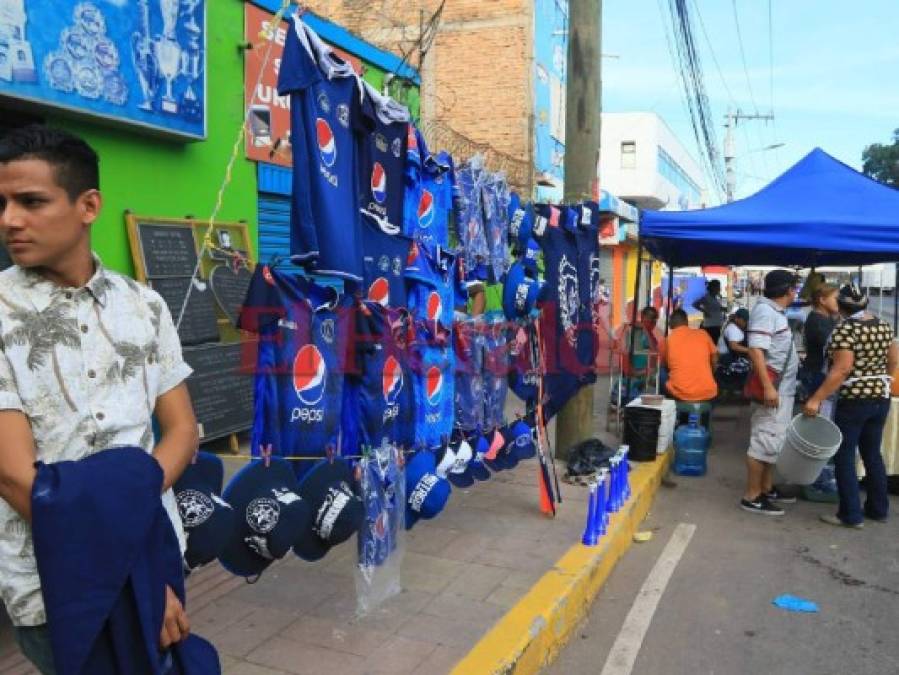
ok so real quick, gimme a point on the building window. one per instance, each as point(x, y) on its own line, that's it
point(628, 155)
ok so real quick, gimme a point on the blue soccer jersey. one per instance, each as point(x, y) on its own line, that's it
point(468, 343)
point(304, 332)
point(429, 192)
point(384, 257)
point(327, 123)
point(469, 218)
point(382, 161)
point(382, 399)
point(496, 371)
point(495, 197)
point(431, 291)
point(433, 385)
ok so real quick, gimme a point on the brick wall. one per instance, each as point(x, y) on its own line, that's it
point(476, 75)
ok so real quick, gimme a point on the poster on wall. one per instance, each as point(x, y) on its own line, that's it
point(140, 62)
point(268, 126)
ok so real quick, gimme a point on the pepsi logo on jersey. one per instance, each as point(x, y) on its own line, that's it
point(327, 150)
point(392, 386)
point(309, 381)
point(379, 291)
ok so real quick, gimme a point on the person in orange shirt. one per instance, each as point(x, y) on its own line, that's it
point(691, 357)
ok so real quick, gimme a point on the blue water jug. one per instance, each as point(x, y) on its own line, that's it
point(691, 448)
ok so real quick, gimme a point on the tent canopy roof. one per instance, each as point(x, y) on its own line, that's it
point(819, 212)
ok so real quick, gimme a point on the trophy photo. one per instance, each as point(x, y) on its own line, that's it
point(191, 61)
point(142, 54)
point(168, 52)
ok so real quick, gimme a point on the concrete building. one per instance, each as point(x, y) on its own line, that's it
point(643, 162)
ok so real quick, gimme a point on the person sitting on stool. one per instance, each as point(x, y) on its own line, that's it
point(691, 357)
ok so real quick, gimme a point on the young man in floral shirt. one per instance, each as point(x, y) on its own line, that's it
point(87, 358)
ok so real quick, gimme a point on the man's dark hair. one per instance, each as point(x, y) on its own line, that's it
point(678, 318)
point(74, 162)
point(649, 309)
point(776, 292)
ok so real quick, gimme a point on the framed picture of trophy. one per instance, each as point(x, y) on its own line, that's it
point(141, 62)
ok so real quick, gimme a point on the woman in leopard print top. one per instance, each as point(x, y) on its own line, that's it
point(863, 356)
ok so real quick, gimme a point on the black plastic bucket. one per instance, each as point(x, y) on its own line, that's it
point(641, 433)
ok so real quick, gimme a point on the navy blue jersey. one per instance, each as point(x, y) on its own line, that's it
point(384, 259)
point(383, 489)
point(586, 216)
point(433, 374)
point(381, 398)
point(304, 339)
point(568, 343)
point(327, 123)
point(382, 161)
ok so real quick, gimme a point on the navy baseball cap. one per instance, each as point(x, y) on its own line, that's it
point(496, 457)
point(523, 440)
point(270, 516)
point(480, 446)
point(207, 518)
point(426, 492)
point(336, 509)
point(509, 453)
point(519, 292)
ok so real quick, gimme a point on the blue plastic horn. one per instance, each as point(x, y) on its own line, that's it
point(589, 537)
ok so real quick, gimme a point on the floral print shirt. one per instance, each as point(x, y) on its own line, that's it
point(86, 366)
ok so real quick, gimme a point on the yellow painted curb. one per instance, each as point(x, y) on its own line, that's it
point(531, 634)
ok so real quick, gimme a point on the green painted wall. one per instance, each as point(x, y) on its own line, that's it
point(156, 176)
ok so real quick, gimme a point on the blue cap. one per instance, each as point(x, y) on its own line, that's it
point(426, 493)
point(337, 511)
point(521, 221)
point(530, 255)
point(208, 519)
point(523, 440)
point(478, 469)
point(570, 218)
point(270, 516)
point(519, 292)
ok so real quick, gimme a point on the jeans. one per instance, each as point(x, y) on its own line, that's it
point(34, 641)
point(861, 423)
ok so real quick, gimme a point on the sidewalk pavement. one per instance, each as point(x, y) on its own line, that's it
point(461, 573)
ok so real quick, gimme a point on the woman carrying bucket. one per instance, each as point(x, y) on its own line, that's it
point(862, 355)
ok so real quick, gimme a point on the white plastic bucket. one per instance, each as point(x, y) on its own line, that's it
point(809, 443)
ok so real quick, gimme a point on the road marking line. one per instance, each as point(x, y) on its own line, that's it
point(623, 654)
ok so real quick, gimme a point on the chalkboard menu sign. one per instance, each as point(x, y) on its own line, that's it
point(199, 323)
point(222, 396)
point(167, 250)
point(4, 259)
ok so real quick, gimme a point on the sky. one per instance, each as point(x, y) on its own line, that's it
point(833, 83)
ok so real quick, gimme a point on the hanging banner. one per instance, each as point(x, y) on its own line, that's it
point(141, 62)
point(268, 126)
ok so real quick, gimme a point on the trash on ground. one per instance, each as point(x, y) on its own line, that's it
point(793, 603)
point(642, 537)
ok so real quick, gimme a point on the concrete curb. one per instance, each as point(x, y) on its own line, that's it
point(533, 632)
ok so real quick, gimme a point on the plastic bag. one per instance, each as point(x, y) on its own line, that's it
point(381, 539)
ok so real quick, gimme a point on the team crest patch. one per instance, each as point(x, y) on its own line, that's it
point(263, 514)
point(194, 507)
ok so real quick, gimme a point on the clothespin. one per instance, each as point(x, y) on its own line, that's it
point(265, 451)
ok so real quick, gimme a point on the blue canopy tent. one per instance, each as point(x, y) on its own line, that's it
point(819, 212)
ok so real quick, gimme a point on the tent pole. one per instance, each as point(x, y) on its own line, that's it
point(635, 309)
point(670, 297)
point(896, 302)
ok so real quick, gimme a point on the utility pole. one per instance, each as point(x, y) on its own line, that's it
point(731, 119)
point(582, 126)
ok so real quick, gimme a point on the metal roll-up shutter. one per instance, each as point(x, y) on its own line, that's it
point(606, 271)
point(274, 226)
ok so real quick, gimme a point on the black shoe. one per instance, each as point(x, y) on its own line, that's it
point(762, 506)
point(776, 495)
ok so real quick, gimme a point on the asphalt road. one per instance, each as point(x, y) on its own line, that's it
point(715, 616)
